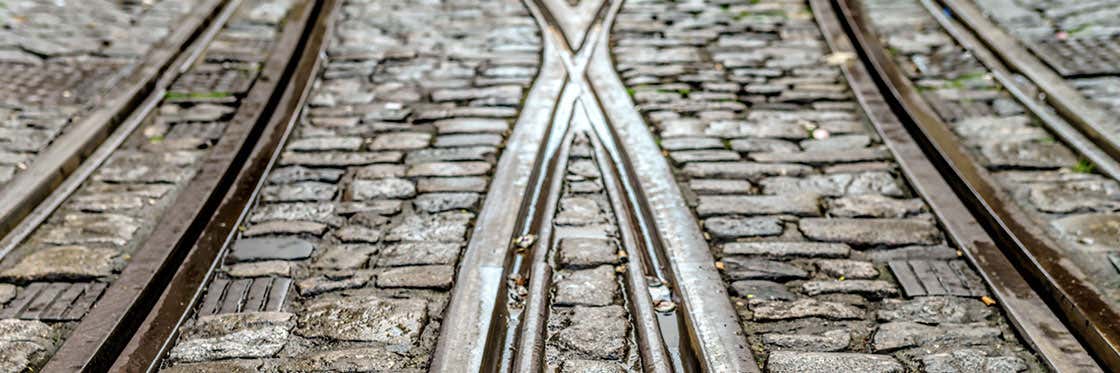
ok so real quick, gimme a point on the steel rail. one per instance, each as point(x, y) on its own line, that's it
point(1025, 244)
point(97, 341)
point(82, 147)
point(1100, 126)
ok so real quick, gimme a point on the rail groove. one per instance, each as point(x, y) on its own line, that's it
point(1031, 250)
point(667, 267)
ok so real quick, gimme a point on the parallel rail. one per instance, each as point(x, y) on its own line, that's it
point(1032, 250)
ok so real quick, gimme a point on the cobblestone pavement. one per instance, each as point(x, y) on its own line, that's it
point(58, 57)
point(1076, 206)
point(822, 243)
point(346, 261)
point(1075, 37)
point(51, 280)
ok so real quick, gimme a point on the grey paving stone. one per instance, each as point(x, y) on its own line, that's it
point(873, 289)
point(26, 344)
point(825, 156)
point(934, 310)
point(579, 211)
point(874, 206)
point(452, 184)
point(744, 170)
point(285, 227)
point(912, 252)
point(763, 146)
point(835, 185)
point(588, 287)
point(586, 252)
point(1028, 155)
point(380, 171)
point(256, 249)
point(471, 125)
point(1075, 196)
point(830, 341)
point(319, 144)
point(828, 362)
point(788, 249)
point(971, 360)
point(729, 227)
point(233, 335)
point(64, 263)
point(417, 253)
point(321, 284)
point(744, 268)
point(449, 169)
point(225, 366)
point(359, 234)
point(439, 202)
point(311, 212)
point(596, 333)
point(7, 292)
point(344, 256)
point(441, 227)
point(428, 276)
point(367, 359)
point(761, 290)
point(277, 268)
point(802, 308)
point(720, 186)
point(366, 318)
point(896, 335)
point(400, 141)
point(339, 159)
point(802, 204)
point(306, 191)
point(848, 269)
point(89, 229)
point(590, 366)
point(892, 232)
point(392, 188)
point(298, 173)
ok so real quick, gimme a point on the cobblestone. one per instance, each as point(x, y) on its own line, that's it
point(803, 223)
point(383, 177)
point(57, 59)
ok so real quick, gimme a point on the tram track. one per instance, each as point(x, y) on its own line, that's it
point(1035, 250)
point(99, 331)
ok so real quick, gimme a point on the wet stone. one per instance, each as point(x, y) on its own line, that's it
point(431, 276)
point(1094, 231)
point(233, 335)
point(257, 249)
point(452, 184)
point(802, 308)
point(299, 192)
point(719, 186)
point(868, 288)
point(380, 171)
point(892, 336)
point(401, 141)
point(589, 287)
point(297, 173)
point(913, 252)
point(439, 202)
point(228, 366)
point(743, 170)
point(891, 232)
point(835, 185)
point(579, 211)
point(596, 333)
point(285, 227)
point(728, 227)
point(260, 269)
point(829, 362)
point(971, 360)
point(742, 268)
point(346, 360)
point(874, 206)
point(78, 229)
point(762, 290)
point(25, 344)
point(417, 253)
point(934, 310)
point(830, 341)
point(365, 319)
point(313, 212)
point(590, 366)
point(449, 169)
point(321, 144)
point(802, 204)
point(586, 252)
point(848, 269)
point(344, 256)
point(391, 188)
point(442, 227)
point(788, 249)
point(64, 263)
